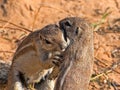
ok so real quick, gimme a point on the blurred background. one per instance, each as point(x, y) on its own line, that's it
point(20, 17)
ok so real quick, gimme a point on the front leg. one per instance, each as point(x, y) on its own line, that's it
point(54, 73)
point(57, 61)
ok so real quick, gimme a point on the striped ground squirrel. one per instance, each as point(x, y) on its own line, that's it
point(37, 56)
point(78, 58)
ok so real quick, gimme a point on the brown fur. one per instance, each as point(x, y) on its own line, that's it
point(78, 58)
point(32, 58)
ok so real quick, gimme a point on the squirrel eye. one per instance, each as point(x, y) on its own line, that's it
point(48, 42)
point(77, 31)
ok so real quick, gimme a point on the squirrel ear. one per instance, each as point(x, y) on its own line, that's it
point(68, 23)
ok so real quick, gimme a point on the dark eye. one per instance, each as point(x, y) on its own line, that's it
point(77, 31)
point(48, 42)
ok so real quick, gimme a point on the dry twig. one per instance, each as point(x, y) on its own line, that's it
point(15, 25)
point(107, 71)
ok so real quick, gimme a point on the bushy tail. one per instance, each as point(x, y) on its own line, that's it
point(4, 69)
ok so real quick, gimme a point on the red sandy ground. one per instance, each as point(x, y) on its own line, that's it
point(35, 14)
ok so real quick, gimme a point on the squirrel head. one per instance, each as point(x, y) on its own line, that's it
point(52, 38)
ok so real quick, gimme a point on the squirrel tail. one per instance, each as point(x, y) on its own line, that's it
point(4, 69)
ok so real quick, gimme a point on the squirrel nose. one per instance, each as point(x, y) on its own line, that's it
point(65, 45)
